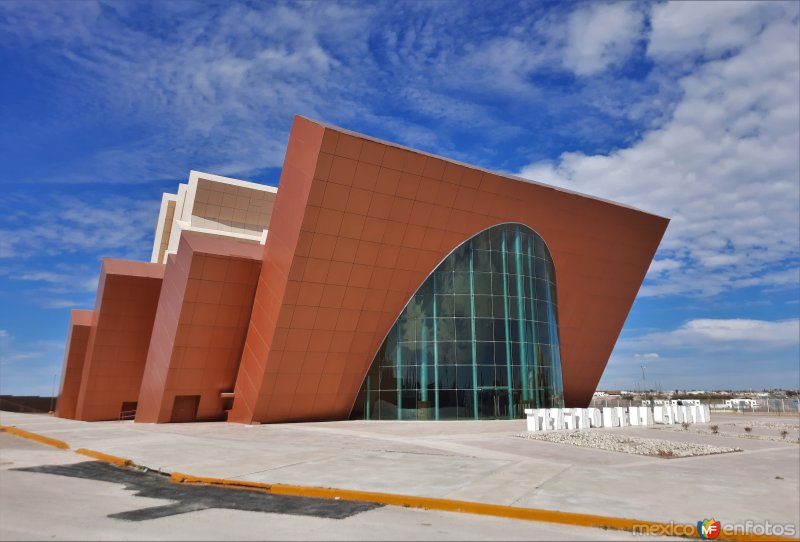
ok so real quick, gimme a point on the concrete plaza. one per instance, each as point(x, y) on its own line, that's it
point(479, 461)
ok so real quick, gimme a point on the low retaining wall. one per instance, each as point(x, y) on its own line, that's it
point(556, 419)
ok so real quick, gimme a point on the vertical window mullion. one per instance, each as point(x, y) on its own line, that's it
point(505, 318)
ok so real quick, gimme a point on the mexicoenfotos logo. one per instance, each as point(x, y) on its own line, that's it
point(711, 529)
point(708, 529)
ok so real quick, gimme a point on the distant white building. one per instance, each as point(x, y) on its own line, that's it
point(741, 402)
point(605, 394)
point(662, 402)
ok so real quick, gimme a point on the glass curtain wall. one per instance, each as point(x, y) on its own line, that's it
point(478, 340)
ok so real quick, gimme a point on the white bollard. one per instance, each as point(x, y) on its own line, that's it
point(700, 414)
point(707, 413)
point(544, 416)
point(583, 418)
point(645, 416)
point(569, 419)
point(608, 417)
point(532, 421)
point(595, 417)
point(669, 419)
point(633, 415)
point(557, 416)
point(621, 421)
point(658, 415)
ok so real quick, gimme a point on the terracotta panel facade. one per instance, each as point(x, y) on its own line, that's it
point(80, 325)
point(281, 274)
point(122, 322)
point(288, 330)
point(199, 329)
point(359, 224)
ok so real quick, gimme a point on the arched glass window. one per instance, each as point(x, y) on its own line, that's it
point(478, 340)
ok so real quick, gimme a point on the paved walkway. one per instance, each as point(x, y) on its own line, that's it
point(477, 461)
point(90, 509)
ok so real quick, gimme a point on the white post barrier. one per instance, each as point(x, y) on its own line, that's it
point(555, 419)
point(620, 417)
point(532, 419)
point(557, 416)
point(677, 414)
point(569, 419)
point(595, 418)
point(608, 417)
point(633, 414)
point(582, 417)
point(544, 414)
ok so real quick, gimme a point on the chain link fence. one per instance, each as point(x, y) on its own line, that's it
point(777, 407)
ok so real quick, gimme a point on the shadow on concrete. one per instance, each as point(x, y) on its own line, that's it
point(191, 498)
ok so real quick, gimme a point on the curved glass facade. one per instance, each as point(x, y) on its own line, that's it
point(478, 340)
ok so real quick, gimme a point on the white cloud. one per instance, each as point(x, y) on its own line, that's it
point(62, 225)
point(62, 304)
point(707, 334)
point(707, 28)
point(601, 35)
point(662, 265)
point(29, 368)
point(648, 355)
point(76, 279)
point(216, 92)
point(11, 352)
point(787, 277)
point(724, 167)
point(51, 21)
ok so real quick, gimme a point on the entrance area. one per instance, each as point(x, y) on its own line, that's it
point(184, 409)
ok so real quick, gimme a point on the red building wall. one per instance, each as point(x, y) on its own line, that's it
point(358, 225)
point(200, 326)
point(122, 321)
point(80, 325)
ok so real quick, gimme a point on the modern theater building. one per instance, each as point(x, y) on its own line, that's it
point(375, 282)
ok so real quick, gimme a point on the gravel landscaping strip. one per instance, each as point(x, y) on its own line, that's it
point(614, 442)
point(736, 430)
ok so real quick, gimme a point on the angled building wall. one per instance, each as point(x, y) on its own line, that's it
point(80, 325)
point(355, 230)
point(122, 322)
point(199, 330)
point(359, 224)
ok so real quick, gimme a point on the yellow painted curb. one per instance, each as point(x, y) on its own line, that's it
point(182, 478)
point(411, 501)
point(467, 507)
point(503, 511)
point(100, 456)
point(33, 436)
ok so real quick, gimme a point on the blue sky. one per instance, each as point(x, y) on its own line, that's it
point(690, 110)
